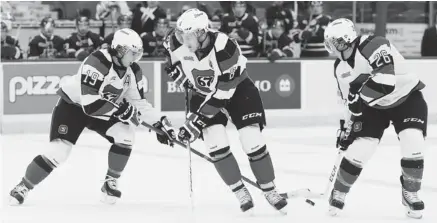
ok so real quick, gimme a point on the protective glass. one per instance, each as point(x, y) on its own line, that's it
point(333, 45)
point(189, 39)
point(131, 55)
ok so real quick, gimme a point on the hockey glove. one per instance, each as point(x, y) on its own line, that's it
point(169, 132)
point(354, 103)
point(192, 128)
point(176, 73)
point(128, 113)
point(343, 139)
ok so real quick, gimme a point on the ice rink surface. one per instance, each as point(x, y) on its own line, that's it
point(155, 182)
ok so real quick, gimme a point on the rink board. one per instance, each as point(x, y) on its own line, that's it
point(294, 92)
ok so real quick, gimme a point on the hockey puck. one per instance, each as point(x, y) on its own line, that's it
point(310, 202)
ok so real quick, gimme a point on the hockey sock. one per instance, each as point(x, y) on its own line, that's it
point(412, 173)
point(262, 167)
point(226, 166)
point(37, 171)
point(346, 176)
point(117, 159)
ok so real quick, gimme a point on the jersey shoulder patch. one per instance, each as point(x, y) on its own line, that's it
point(99, 61)
point(372, 43)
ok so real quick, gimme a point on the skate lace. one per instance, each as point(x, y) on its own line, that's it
point(340, 196)
point(273, 196)
point(243, 195)
point(411, 196)
point(111, 182)
point(22, 190)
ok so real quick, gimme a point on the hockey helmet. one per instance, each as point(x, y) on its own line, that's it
point(191, 28)
point(124, 21)
point(82, 24)
point(127, 46)
point(339, 36)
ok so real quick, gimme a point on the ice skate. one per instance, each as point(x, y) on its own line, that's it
point(276, 200)
point(336, 202)
point(110, 192)
point(243, 196)
point(18, 194)
point(412, 203)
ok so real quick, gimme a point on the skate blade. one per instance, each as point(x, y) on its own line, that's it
point(13, 201)
point(333, 211)
point(283, 211)
point(107, 199)
point(413, 214)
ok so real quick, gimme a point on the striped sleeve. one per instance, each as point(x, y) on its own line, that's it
point(93, 72)
point(171, 44)
point(227, 55)
point(377, 51)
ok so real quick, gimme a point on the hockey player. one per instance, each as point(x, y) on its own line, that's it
point(153, 41)
point(10, 49)
point(312, 30)
point(278, 43)
point(243, 27)
point(105, 96)
point(123, 21)
point(374, 81)
point(214, 66)
point(46, 44)
point(83, 42)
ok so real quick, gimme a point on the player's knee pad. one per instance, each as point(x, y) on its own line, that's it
point(252, 140)
point(361, 150)
point(216, 141)
point(58, 152)
point(412, 143)
point(122, 134)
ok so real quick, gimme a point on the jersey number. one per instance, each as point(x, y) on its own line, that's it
point(90, 78)
point(383, 58)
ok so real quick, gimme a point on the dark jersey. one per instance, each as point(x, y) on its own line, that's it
point(284, 43)
point(89, 41)
point(10, 48)
point(152, 44)
point(108, 40)
point(245, 30)
point(43, 46)
point(314, 46)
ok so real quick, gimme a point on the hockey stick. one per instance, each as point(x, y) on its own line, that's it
point(190, 172)
point(307, 193)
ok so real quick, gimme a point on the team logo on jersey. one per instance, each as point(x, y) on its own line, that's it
point(63, 129)
point(204, 81)
point(188, 58)
point(358, 126)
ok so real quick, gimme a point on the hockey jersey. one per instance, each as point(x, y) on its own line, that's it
point(377, 64)
point(247, 30)
point(214, 71)
point(10, 48)
point(313, 45)
point(284, 43)
point(90, 42)
point(99, 84)
point(42, 46)
point(153, 44)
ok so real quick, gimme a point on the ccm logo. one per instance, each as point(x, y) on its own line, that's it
point(252, 115)
point(414, 120)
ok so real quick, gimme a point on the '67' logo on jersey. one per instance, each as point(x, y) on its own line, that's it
point(204, 78)
point(204, 81)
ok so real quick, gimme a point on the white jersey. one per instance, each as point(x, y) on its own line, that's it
point(98, 85)
point(214, 71)
point(383, 70)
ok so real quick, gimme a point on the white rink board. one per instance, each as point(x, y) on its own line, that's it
point(155, 182)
